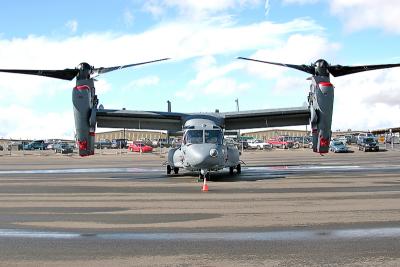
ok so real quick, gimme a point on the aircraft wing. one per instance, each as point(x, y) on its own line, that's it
point(266, 118)
point(148, 120)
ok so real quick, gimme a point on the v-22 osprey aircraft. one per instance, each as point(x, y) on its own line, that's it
point(203, 149)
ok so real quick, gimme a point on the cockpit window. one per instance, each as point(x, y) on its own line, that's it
point(213, 136)
point(194, 137)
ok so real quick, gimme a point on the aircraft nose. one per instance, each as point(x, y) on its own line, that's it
point(202, 157)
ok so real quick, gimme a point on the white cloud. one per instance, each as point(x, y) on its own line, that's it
point(142, 82)
point(299, 2)
point(153, 7)
point(72, 25)
point(291, 85)
point(363, 14)
point(297, 49)
point(21, 122)
point(15, 88)
point(128, 18)
point(102, 86)
point(197, 10)
point(208, 70)
point(225, 87)
point(367, 100)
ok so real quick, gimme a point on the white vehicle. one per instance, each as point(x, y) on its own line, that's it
point(258, 144)
point(361, 136)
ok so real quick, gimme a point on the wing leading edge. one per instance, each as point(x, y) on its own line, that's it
point(267, 118)
point(149, 120)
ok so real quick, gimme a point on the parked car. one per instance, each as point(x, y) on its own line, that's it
point(50, 146)
point(63, 148)
point(299, 141)
point(16, 145)
point(119, 143)
point(361, 136)
point(342, 139)
point(38, 144)
point(338, 146)
point(161, 141)
point(104, 143)
point(243, 143)
point(281, 142)
point(1, 148)
point(139, 147)
point(258, 144)
point(368, 144)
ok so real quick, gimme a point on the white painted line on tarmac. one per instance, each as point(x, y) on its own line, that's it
point(91, 170)
point(296, 235)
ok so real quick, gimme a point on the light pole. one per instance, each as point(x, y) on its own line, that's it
point(167, 136)
point(237, 104)
point(240, 137)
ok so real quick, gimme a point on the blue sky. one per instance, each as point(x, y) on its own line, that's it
point(203, 38)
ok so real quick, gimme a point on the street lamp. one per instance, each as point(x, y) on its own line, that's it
point(239, 136)
point(237, 104)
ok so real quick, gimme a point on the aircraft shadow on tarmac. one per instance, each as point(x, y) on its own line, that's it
point(220, 176)
point(224, 176)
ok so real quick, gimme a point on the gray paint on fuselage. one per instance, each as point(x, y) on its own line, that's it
point(195, 157)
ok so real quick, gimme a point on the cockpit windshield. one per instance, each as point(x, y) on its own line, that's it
point(194, 137)
point(213, 136)
point(210, 137)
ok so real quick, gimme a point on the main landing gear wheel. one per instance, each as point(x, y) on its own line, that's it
point(176, 170)
point(239, 169)
point(169, 169)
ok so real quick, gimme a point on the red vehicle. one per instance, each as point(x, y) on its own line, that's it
point(281, 142)
point(139, 147)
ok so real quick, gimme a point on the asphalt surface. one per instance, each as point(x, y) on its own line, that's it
point(287, 208)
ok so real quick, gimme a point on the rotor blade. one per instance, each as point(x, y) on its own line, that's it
point(97, 71)
point(67, 74)
point(339, 70)
point(304, 68)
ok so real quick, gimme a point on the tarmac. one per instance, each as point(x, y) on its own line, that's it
point(287, 208)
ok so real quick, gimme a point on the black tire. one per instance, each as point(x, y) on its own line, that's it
point(239, 169)
point(176, 170)
point(169, 169)
point(230, 170)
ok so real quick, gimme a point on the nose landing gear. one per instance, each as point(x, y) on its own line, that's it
point(169, 169)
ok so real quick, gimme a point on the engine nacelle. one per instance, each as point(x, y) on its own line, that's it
point(175, 157)
point(321, 114)
point(84, 102)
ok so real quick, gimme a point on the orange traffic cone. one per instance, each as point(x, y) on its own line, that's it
point(205, 186)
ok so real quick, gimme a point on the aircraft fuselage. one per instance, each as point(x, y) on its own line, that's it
point(203, 148)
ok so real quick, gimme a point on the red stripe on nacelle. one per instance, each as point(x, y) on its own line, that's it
point(82, 87)
point(323, 142)
point(325, 84)
point(82, 145)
